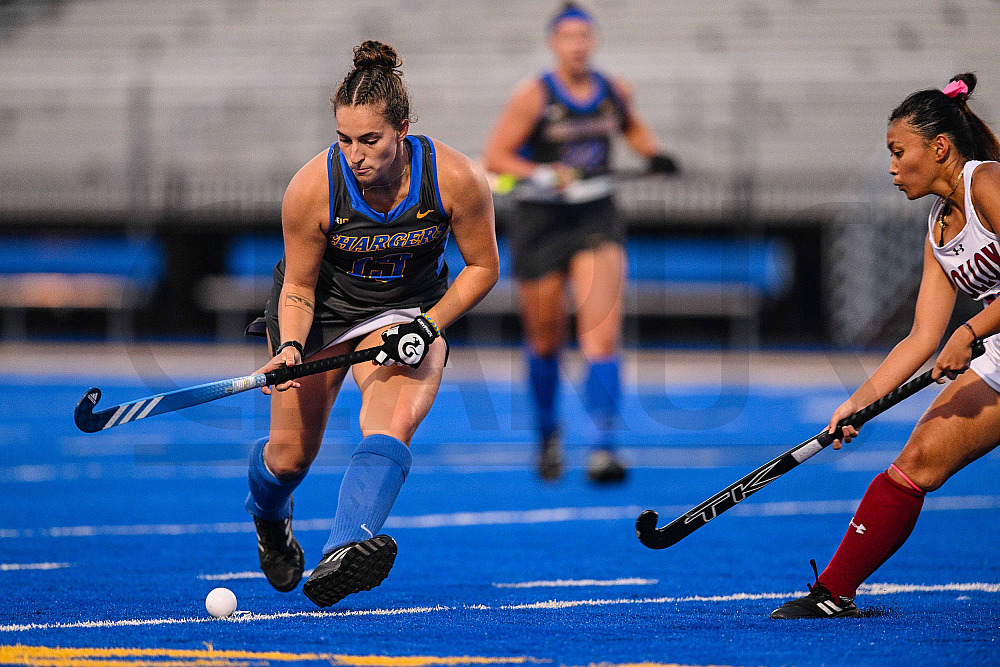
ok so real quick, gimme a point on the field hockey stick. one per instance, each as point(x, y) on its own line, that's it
point(682, 526)
point(89, 421)
point(504, 184)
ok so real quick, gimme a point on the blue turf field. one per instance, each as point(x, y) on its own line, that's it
point(112, 540)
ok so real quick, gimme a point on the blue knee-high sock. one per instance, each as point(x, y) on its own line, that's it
point(371, 484)
point(269, 497)
point(543, 373)
point(603, 392)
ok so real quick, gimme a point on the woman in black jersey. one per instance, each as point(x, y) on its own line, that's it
point(554, 136)
point(365, 224)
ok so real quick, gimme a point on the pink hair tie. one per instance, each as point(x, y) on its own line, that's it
point(956, 88)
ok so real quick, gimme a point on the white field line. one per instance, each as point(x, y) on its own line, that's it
point(565, 583)
point(506, 518)
point(510, 456)
point(569, 604)
point(512, 517)
point(6, 567)
point(894, 589)
point(235, 618)
point(249, 617)
point(233, 576)
point(555, 583)
point(553, 515)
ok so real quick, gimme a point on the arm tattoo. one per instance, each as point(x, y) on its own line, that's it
point(300, 302)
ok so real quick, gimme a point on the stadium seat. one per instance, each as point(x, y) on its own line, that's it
point(693, 277)
point(60, 273)
point(724, 278)
point(246, 285)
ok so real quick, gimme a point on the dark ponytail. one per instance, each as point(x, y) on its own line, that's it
point(376, 79)
point(987, 146)
point(931, 112)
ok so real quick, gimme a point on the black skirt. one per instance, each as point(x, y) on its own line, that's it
point(336, 312)
point(544, 237)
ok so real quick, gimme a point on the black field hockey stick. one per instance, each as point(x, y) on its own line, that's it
point(90, 422)
point(746, 486)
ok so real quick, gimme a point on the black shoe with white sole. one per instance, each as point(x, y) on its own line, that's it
point(281, 557)
point(359, 566)
point(820, 603)
point(603, 467)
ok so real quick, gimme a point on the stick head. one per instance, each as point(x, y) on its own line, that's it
point(84, 415)
point(645, 528)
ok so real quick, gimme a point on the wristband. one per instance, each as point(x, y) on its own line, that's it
point(290, 343)
point(969, 326)
point(431, 322)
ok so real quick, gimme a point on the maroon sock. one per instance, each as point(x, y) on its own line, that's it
point(885, 518)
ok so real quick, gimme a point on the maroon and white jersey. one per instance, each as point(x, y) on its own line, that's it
point(971, 260)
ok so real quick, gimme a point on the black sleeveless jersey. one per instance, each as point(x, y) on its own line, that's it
point(375, 262)
point(574, 133)
point(387, 259)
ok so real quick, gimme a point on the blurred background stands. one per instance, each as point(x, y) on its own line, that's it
point(184, 120)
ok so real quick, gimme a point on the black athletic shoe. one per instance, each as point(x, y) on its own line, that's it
point(820, 603)
point(281, 557)
point(603, 467)
point(359, 566)
point(550, 464)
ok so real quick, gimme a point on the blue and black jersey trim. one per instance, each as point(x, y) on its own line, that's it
point(437, 188)
point(357, 201)
point(559, 92)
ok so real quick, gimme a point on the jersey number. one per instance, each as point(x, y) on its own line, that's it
point(585, 155)
point(388, 267)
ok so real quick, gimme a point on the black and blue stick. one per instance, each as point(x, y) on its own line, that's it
point(89, 421)
point(737, 492)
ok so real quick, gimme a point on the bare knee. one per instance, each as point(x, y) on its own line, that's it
point(545, 346)
point(544, 340)
point(920, 469)
point(393, 412)
point(287, 462)
point(285, 470)
point(599, 343)
point(599, 347)
point(543, 320)
point(545, 334)
point(403, 433)
point(599, 340)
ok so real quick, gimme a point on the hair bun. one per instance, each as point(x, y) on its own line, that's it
point(969, 79)
point(371, 54)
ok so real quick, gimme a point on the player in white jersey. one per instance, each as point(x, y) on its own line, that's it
point(939, 147)
point(970, 258)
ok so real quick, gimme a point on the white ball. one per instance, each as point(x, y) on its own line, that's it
point(221, 602)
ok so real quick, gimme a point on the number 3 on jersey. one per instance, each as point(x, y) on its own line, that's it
point(389, 267)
